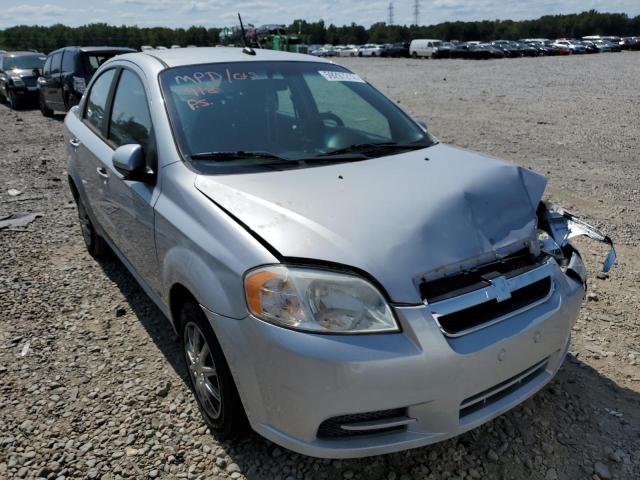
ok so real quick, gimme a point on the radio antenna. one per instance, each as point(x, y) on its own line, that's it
point(247, 49)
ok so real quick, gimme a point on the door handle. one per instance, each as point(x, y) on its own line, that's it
point(75, 143)
point(102, 172)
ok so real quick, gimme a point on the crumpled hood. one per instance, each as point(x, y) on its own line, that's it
point(400, 218)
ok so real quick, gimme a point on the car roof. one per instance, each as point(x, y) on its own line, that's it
point(106, 49)
point(20, 53)
point(96, 49)
point(195, 56)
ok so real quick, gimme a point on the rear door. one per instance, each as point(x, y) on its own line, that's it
point(68, 68)
point(89, 142)
point(53, 86)
point(129, 203)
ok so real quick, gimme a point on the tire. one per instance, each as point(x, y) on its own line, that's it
point(414, 55)
point(14, 101)
point(96, 246)
point(208, 372)
point(46, 111)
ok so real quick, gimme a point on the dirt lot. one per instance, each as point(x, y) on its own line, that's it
point(93, 385)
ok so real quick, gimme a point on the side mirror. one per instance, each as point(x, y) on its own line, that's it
point(129, 161)
point(422, 124)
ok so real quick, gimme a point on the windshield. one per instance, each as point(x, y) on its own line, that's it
point(291, 110)
point(24, 62)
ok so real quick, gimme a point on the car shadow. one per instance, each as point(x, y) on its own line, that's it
point(589, 412)
point(149, 315)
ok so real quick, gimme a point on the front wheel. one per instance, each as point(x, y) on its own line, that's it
point(14, 101)
point(211, 379)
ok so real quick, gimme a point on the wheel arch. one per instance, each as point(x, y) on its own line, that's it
point(179, 295)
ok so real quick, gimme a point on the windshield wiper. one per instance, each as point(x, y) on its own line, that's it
point(237, 155)
point(363, 147)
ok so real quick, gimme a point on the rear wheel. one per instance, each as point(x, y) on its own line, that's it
point(46, 111)
point(95, 244)
point(414, 54)
point(211, 379)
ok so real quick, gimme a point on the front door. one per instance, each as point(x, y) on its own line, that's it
point(129, 205)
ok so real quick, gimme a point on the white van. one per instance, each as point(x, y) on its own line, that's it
point(424, 47)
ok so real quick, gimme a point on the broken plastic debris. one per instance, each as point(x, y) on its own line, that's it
point(25, 349)
point(17, 220)
point(565, 225)
point(13, 192)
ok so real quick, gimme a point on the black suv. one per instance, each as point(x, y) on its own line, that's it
point(18, 76)
point(67, 72)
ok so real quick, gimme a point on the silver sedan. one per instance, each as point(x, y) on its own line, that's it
point(340, 281)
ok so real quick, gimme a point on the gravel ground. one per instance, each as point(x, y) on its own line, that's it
point(93, 385)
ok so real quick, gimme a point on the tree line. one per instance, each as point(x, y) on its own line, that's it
point(45, 39)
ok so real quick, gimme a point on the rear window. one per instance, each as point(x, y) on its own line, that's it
point(92, 61)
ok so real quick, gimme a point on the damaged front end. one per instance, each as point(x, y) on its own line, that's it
point(556, 227)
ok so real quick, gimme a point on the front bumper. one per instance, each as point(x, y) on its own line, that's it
point(26, 91)
point(291, 382)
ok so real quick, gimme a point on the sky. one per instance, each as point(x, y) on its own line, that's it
point(209, 13)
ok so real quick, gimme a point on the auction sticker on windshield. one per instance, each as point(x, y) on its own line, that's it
point(334, 76)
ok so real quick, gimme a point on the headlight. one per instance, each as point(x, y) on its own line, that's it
point(317, 301)
point(17, 81)
point(549, 246)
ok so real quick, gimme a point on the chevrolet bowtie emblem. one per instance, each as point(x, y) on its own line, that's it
point(502, 290)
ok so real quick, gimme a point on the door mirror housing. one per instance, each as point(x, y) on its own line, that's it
point(129, 161)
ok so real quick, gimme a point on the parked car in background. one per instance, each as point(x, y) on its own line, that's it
point(424, 48)
point(443, 50)
point(613, 46)
point(544, 47)
point(144, 48)
point(510, 48)
point(630, 43)
point(479, 51)
point(574, 46)
point(370, 50)
point(324, 52)
point(290, 317)
point(19, 73)
point(592, 47)
point(400, 49)
point(66, 73)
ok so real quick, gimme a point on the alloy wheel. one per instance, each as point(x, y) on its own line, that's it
point(202, 370)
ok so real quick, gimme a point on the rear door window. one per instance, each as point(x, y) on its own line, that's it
point(46, 70)
point(92, 61)
point(68, 65)
point(95, 113)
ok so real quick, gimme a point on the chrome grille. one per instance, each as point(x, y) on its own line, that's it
point(496, 296)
